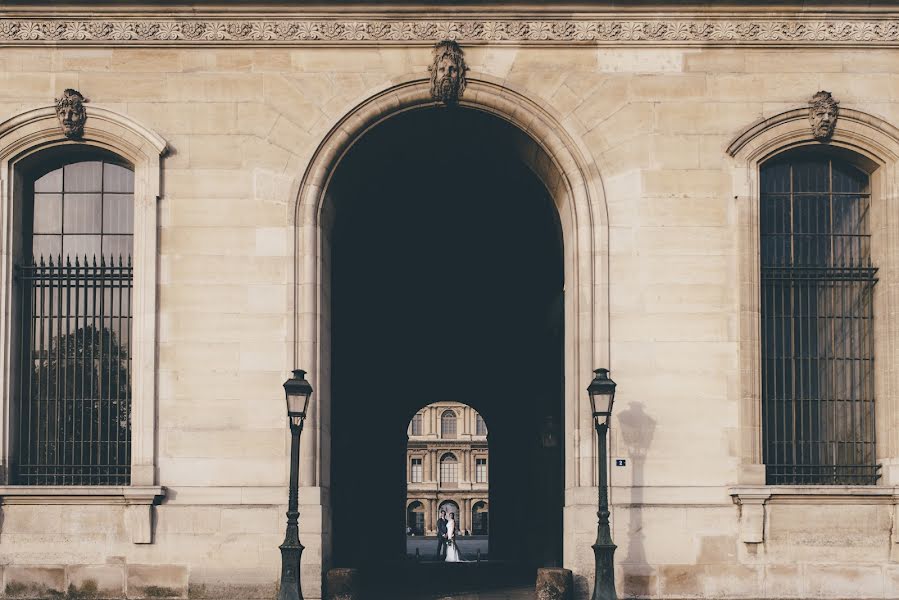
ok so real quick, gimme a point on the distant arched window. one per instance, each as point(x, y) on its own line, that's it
point(416, 424)
point(73, 282)
point(448, 424)
point(817, 338)
point(449, 469)
point(480, 426)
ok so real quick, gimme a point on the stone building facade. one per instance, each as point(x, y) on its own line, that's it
point(447, 468)
point(654, 147)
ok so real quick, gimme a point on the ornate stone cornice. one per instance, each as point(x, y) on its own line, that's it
point(735, 30)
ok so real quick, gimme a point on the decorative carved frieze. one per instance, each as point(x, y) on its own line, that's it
point(448, 72)
point(823, 111)
point(71, 113)
point(726, 30)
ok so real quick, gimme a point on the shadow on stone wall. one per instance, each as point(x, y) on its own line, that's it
point(637, 429)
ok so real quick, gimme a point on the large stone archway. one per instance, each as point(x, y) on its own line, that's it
point(574, 184)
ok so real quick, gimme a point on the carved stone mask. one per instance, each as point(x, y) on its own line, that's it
point(447, 72)
point(71, 113)
point(822, 114)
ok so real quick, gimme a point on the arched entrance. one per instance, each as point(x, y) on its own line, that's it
point(450, 507)
point(532, 139)
point(446, 282)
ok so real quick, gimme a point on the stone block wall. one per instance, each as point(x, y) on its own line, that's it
point(242, 124)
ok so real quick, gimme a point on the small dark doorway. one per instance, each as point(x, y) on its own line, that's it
point(446, 282)
point(416, 519)
point(479, 519)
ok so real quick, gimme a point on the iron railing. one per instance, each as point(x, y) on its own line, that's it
point(817, 325)
point(73, 412)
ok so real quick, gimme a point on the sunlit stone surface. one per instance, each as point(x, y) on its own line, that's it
point(638, 134)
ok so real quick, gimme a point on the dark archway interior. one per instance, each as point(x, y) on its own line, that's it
point(447, 280)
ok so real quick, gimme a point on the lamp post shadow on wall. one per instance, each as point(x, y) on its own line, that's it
point(297, 390)
point(602, 397)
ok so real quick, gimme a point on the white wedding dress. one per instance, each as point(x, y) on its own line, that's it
point(452, 550)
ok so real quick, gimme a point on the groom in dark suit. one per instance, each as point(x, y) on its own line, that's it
point(441, 535)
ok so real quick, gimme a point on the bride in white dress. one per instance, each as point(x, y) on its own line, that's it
point(452, 550)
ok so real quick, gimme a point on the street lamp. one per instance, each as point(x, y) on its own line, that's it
point(297, 390)
point(602, 396)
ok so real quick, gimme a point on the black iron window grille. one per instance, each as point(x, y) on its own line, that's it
point(73, 304)
point(817, 323)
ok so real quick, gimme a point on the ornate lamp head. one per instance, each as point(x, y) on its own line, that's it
point(448, 72)
point(297, 392)
point(71, 113)
point(822, 114)
point(602, 396)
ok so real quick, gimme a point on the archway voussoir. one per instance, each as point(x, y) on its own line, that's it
point(388, 103)
point(318, 177)
point(410, 96)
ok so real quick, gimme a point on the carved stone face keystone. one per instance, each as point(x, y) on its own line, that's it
point(448, 72)
point(71, 113)
point(822, 114)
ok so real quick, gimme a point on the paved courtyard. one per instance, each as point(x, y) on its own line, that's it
point(427, 546)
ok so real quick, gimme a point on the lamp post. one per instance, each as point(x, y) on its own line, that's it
point(602, 396)
point(297, 390)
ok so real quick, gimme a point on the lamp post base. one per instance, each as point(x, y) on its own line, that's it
point(290, 571)
point(604, 586)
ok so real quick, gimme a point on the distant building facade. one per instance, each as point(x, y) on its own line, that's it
point(447, 468)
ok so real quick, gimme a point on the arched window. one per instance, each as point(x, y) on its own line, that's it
point(416, 424)
point(449, 470)
point(73, 282)
point(480, 426)
point(817, 283)
point(448, 424)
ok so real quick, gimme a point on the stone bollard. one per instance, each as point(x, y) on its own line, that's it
point(343, 584)
point(554, 584)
